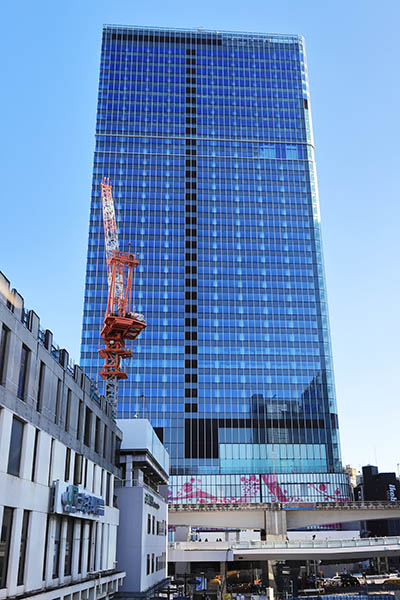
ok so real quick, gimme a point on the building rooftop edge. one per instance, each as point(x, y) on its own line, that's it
point(14, 302)
point(201, 30)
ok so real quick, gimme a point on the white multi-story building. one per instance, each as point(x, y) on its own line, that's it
point(142, 534)
point(58, 444)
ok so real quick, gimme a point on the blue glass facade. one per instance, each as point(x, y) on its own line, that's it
point(207, 139)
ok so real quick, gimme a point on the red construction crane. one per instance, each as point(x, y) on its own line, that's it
point(121, 322)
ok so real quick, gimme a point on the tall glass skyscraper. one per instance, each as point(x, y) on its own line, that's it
point(207, 139)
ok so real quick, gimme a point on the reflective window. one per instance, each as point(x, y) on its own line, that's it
point(14, 457)
point(5, 541)
point(23, 371)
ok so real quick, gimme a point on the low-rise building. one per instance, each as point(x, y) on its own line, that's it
point(58, 446)
point(142, 500)
point(379, 486)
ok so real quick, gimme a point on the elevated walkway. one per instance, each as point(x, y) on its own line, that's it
point(276, 517)
point(358, 549)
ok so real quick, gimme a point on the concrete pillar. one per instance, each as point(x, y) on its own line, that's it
point(4, 288)
point(128, 472)
point(267, 575)
point(275, 525)
point(48, 339)
point(43, 458)
point(112, 490)
point(92, 543)
point(15, 543)
point(112, 545)
point(103, 548)
point(33, 323)
point(50, 551)
point(12, 364)
point(77, 374)
point(85, 549)
point(105, 564)
point(18, 303)
point(35, 547)
point(137, 475)
point(5, 430)
point(97, 565)
point(63, 357)
point(182, 533)
point(75, 549)
point(27, 452)
point(89, 478)
point(223, 570)
point(63, 544)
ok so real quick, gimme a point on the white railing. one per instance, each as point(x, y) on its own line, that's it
point(298, 544)
point(356, 543)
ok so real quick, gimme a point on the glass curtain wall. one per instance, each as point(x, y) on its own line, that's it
point(207, 139)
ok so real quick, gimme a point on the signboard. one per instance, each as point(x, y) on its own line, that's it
point(391, 493)
point(69, 499)
point(148, 499)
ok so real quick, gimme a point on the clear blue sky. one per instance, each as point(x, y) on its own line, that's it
point(50, 53)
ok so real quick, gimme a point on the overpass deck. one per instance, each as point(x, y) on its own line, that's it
point(277, 550)
point(277, 517)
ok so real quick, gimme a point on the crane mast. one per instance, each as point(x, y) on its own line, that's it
point(121, 321)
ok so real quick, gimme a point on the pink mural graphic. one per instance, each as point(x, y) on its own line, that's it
point(274, 491)
point(191, 490)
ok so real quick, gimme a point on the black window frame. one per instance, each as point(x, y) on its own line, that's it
point(16, 437)
point(5, 543)
point(23, 372)
point(40, 391)
point(58, 401)
point(69, 542)
point(87, 435)
point(67, 470)
point(35, 453)
point(68, 410)
point(22, 547)
point(5, 336)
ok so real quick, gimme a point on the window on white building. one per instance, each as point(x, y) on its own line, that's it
point(5, 539)
point(4, 334)
point(23, 372)
point(67, 463)
point(56, 555)
point(68, 546)
point(39, 399)
point(22, 547)
point(35, 451)
point(14, 457)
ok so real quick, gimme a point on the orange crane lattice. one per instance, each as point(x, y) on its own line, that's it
point(121, 322)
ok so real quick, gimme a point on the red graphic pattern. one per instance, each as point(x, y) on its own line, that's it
point(250, 492)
